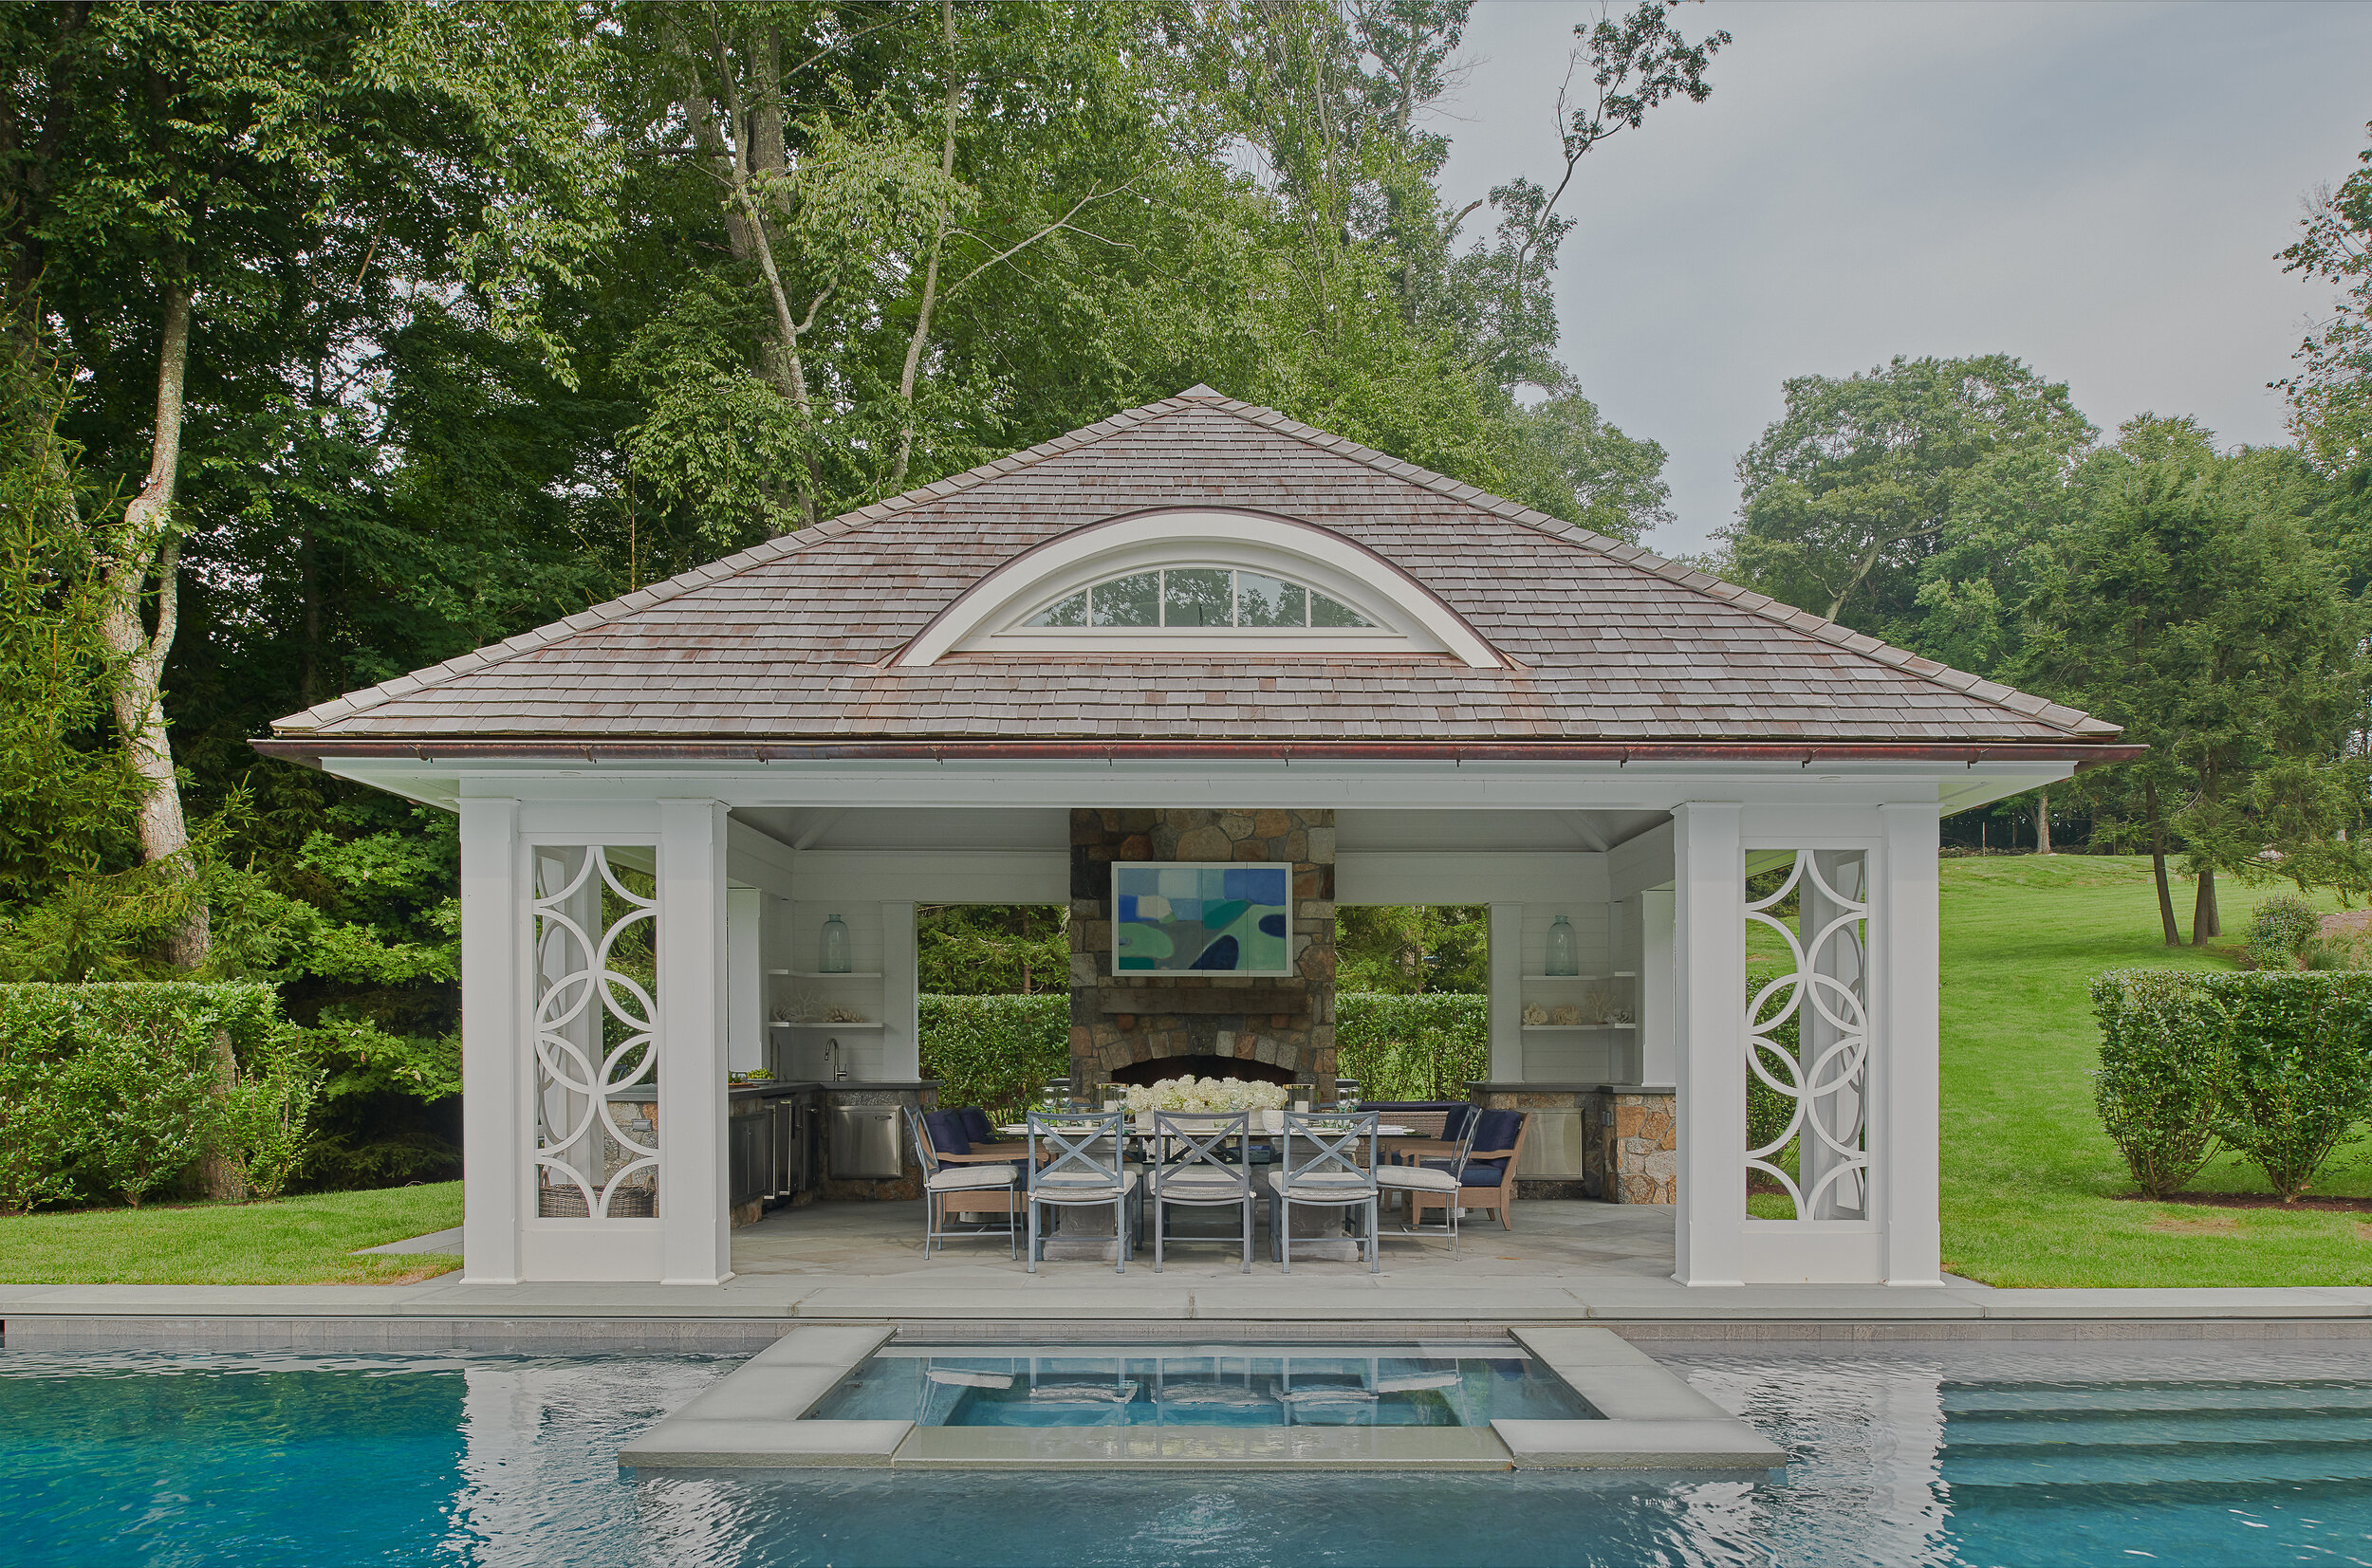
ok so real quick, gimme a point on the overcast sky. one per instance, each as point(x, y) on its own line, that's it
point(2098, 189)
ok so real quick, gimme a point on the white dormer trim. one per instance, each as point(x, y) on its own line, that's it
point(1406, 617)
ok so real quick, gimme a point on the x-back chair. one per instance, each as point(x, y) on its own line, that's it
point(1325, 1170)
point(1083, 1162)
point(1192, 1167)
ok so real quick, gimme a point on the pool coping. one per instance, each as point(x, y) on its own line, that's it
point(758, 1416)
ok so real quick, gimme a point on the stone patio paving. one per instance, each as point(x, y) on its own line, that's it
point(1567, 1241)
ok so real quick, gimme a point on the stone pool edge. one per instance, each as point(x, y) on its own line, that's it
point(756, 1417)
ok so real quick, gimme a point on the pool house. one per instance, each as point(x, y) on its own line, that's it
point(1203, 675)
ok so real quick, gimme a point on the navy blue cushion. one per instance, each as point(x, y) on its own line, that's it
point(947, 1132)
point(977, 1126)
point(1454, 1122)
point(1478, 1173)
point(1497, 1130)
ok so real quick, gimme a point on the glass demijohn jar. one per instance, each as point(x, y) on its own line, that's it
point(1564, 957)
point(835, 956)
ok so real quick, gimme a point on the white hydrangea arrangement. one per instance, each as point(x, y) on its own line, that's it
point(1204, 1094)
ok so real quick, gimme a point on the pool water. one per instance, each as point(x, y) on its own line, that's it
point(1945, 1455)
point(1201, 1386)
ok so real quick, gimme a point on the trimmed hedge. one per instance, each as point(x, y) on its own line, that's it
point(994, 1051)
point(998, 1051)
point(113, 1090)
point(1412, 1047)
point(2275, 1065)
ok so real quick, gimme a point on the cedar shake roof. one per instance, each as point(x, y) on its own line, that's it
point(788, 643)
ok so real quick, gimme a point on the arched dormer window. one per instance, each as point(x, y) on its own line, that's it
point(1200, 580)
point(1201, 597)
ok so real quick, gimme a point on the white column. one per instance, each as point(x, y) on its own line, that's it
point(696, 1236)
point(746, 976)
point(901, 1045)
point(1507, 993)
point(1905, 1067)
point(1658, 1037)
point(1709, 907)
point(495, 1130)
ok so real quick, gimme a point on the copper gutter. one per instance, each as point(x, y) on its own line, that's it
point(528, 749)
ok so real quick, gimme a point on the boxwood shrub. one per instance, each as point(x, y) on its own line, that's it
point(994, 1051)
point(2275, 1065)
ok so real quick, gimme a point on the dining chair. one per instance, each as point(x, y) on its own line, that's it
point(1191, 1166)
point(1083, 1163)
point(1440, 1177)
point(1326, 1173)
point(952, 1187)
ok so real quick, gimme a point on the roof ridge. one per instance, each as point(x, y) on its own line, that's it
point(1795, 619)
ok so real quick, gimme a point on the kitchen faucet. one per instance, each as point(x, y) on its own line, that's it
point(832, 1054)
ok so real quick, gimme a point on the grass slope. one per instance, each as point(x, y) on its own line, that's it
point(2032, 1190)
point(302, 1241)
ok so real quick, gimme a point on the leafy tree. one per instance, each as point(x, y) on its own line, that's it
point(183, 175)
point(2207, 624)
point(1910, 502)
point(2332, 393)
point(993, 949)
point(1409, 948)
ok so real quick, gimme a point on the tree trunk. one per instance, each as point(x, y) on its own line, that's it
point(2041, 823)
point(2158, 863)
point(151, 547)
point(2203, 921)
point(930, 269)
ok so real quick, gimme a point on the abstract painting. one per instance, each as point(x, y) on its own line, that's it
point(1202, 917)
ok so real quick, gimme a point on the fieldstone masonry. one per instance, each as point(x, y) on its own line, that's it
point(1294, 1031)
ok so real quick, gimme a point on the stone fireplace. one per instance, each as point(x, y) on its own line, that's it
point(1135, 1030)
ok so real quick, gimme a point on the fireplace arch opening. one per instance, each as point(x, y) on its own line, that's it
point(1250, 1070)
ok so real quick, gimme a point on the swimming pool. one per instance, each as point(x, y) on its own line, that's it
point(1927, 1454)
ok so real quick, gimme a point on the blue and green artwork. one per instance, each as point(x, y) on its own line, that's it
point(1191, 918)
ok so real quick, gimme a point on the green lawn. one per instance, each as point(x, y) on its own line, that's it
point(2031, 1188)
point(302, 1241)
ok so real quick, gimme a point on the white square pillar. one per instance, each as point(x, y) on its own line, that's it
point(1658, 1034)
point(1709, 895)
point(901, 1040)
point(745, 974)
point(1906, 1069)
point(1507, 993)
point(696, 1246)
point(495, 1152)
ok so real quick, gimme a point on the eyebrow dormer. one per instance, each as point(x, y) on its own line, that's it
point(1202, 580)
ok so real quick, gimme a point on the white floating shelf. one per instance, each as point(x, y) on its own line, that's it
point(1619, 974)
point(786, 1024)
point(1570, 1029)
point(837, 975)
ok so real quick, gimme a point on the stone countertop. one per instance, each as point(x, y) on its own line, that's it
point(1570, 1088)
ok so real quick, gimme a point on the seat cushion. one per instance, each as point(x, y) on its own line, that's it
point(1478, 1173)
point(1322, 1187)
point(1187, 1181)
point(1415, 1178)
point(947, 1132)
point(1080, 1187)
point(956, 1178)
point(977, 1125)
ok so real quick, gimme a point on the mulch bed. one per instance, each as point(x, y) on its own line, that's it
point(2256, 1200)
